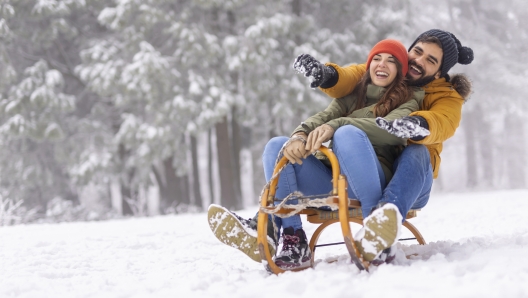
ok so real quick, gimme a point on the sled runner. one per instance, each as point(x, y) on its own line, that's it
point(346, 210)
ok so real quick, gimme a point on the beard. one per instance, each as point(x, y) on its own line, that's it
point(421, 81)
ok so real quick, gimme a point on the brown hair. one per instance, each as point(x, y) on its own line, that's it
point(397, 93)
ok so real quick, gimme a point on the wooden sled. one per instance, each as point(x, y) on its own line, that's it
point(349, 210)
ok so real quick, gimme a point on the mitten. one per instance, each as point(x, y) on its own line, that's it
point(317, 72)
point(408, 127)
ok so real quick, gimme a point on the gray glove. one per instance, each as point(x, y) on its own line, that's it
point(317, 72)
point(408, 127)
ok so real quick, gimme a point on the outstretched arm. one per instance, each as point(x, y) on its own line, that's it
point(347, 79)
point(332, 79)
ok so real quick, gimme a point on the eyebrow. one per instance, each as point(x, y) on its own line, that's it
point(430, 56)
point(391, 56)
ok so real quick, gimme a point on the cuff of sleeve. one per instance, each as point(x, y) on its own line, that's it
point(299, 130)
point(332, 80)
point(333, 124)
point(424, 124)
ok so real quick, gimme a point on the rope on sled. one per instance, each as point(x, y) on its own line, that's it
point(279, 156)
point(303, 203)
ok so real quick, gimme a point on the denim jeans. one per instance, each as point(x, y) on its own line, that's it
point(411, 184)
point(357, 160)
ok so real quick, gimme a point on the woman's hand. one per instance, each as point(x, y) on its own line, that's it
point(317, 137)
point(295, 151)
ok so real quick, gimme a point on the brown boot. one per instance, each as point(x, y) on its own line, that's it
point(380, 231)
point(236, 231)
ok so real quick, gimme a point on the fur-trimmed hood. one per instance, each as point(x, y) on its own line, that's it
point(462, 85)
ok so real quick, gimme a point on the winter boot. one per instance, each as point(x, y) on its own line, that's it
point(238, 232)
point(386, 257)
point(380, 231)
point(295, 253)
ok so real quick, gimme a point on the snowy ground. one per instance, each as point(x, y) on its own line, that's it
point(477, 247)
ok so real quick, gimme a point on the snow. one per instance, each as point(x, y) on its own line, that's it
point(477, 245)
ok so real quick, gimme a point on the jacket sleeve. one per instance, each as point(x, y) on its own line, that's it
point(443, 117)
point(376, 135)
point(337, 108)
point(348, 77)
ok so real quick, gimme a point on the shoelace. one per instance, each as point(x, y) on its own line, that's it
point(290, 242)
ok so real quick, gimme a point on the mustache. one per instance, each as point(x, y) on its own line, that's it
point(413, 63)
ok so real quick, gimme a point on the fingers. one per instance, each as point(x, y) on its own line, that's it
point(402, 124)
point(311, 141)
point(382, 123)
point(388, 126)
point(297, 62)
point(317, 144)
point(295, 152)
point(292, 158)
point(303, 63)
point(317, 137)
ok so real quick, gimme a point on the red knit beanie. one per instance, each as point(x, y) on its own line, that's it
point(393, 47)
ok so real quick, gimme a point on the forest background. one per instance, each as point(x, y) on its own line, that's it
point(136, 108)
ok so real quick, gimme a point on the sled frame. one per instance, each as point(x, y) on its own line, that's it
point(349, 211)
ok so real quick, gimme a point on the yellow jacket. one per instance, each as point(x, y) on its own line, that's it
point(441, 107)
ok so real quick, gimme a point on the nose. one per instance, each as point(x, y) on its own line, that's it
point(419, 60)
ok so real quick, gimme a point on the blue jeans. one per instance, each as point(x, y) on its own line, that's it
point(411, 184)
point(357, 160)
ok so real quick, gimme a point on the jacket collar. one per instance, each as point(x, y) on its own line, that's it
point(438, 85)
point(374, 93)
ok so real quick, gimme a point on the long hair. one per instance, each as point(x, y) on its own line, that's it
point(397, 93)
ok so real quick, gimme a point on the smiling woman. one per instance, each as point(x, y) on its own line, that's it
point(388, 53)
point(383, 69)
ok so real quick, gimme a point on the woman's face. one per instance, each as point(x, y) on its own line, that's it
point(383, 69)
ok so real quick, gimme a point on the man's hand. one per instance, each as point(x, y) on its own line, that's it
point(294, 150)
point(407, 127)
point(316, 71)
point(317, 137)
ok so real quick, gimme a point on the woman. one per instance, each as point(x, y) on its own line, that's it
point(364, 151)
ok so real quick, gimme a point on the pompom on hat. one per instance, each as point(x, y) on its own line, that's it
point(393, 47)
point(453, 50)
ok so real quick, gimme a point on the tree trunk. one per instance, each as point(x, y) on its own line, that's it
point(167, 181)
point(210, 159)
point(514, 152)
point(228, 196)
point(471, 149)
point(182, 183)
point(235, 153)
point(195, 173)
point(126, 192)
point(296, 7)
point(487, 160)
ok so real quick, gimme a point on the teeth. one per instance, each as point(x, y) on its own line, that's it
point(381, 73)
point(416, 69)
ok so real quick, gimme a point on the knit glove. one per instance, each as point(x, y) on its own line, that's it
point(314, 70)
point(409, 127)
point(317, 137)
point(294, 150)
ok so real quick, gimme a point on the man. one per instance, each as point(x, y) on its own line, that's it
point(431, 56)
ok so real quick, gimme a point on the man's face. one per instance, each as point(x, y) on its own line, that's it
point(425, 60)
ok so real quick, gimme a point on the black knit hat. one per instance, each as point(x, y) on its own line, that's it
point(453, 50)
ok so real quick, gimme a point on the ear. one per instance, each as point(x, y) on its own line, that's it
point(437, 75)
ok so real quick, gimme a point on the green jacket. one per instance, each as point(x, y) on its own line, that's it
point(387, 146)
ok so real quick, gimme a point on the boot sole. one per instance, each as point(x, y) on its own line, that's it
point(381, 230)
point(230, 231)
